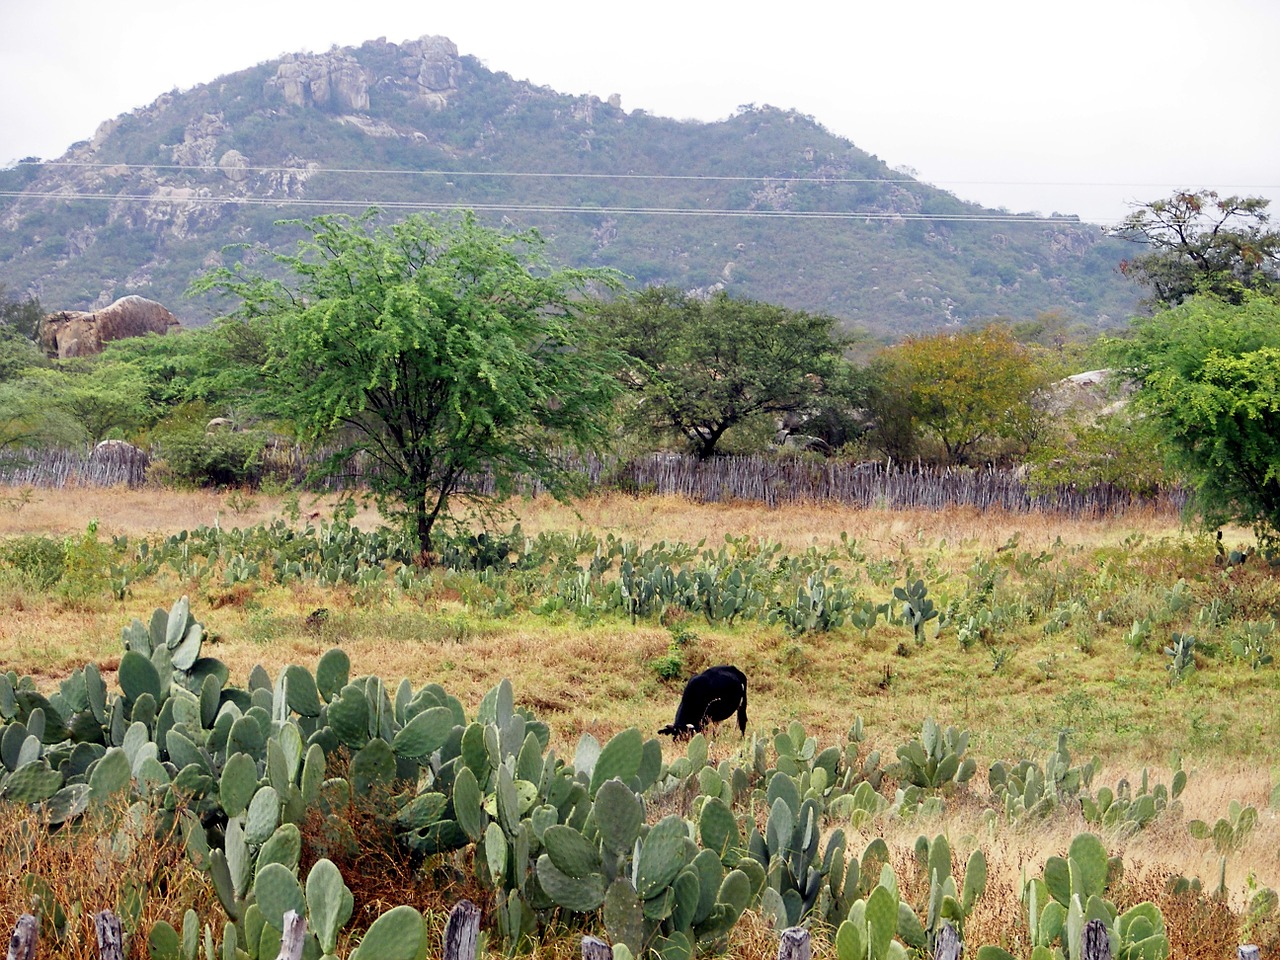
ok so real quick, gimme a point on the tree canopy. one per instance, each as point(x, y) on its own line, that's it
point(962, 389)
point(19, 326)
point(1202, 243)
point(1209, 373)
point(702, 367)
point(443, 350)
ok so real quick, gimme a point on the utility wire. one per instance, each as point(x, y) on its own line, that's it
point(550, 208)
point(615, 176)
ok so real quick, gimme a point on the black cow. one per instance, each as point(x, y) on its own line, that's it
point(710, 696)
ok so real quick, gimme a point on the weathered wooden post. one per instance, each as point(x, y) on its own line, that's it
point(295, 934)
point(462, 932)
point(110, 940)
point(1247, 951)
point(794, 944)
point(593, 948)
point(948, 945)
point(22, 945)
point(1097, 945)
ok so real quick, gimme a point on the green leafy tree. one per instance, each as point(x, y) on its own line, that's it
point(702, 367)
point(963, 389)
point(101, 399)
point(893, 431)
point(443, 350)
point(182, 367)
point(20, 316)
point(19, 326)
point(1209, 376)
point(1200, 242)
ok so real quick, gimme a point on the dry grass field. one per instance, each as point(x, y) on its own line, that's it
point(597, 676)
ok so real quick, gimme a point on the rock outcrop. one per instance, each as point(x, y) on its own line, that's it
point(333, 79)
point(76, 333)
point(429, 71)
point(432, 62)
point(199, 141)
point(1088, 395)
point(115, 461)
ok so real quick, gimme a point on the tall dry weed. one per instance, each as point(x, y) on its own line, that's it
point(112, 859)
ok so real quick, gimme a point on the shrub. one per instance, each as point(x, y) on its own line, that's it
point(40, 559)
point(223, 459)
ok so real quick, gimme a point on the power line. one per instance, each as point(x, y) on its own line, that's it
point(867, 215)
point(514, 174)
point(522, 174)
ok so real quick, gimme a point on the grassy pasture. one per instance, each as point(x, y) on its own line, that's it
point(1013, 690)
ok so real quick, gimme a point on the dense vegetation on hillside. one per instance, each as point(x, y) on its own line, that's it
point(144, 206)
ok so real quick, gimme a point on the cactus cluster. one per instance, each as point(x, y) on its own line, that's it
point(936, 757)
point(1071, 893)
point(1125, 811)
point(949, 900)
point(1027, 790)
point(822, 603)
point(917, 607)
point(740, 579)
point(1226, 834)
point(236, 771)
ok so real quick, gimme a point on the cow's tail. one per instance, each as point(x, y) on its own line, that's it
point(742, 712)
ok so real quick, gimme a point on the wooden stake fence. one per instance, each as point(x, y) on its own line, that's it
point(462, 933)
point(766, 480)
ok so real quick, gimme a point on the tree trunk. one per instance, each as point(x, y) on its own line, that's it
point(423, 521)
point(706, 445)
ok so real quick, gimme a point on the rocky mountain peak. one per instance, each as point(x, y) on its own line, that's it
point(150, 201)
point(434, 61)
point(334, 79)
point(428, 70)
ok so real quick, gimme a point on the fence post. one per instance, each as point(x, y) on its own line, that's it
point(110, 942)
point(794, 944)
point(948, 945)
point(1247, 951)
point(22, 945)
point(594, 948)
point(1097, 945)
point(462, 932)
point(295, 934)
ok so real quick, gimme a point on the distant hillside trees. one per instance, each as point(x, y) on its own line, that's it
point(701, 367)
point(21, 420)
point(99, 399)
point(441, 349)
point(1200, 242)
point(19, 327)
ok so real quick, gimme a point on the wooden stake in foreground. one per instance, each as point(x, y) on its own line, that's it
point(462, 932)
point(22, 945)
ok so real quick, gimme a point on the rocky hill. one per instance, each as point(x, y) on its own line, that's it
point(766, 204)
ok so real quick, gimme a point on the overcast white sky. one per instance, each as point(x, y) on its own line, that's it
point(1072, 107)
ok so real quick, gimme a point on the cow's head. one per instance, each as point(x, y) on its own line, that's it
point(684, 732)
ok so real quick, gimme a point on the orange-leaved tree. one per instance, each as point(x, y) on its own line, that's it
point(966, 389)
